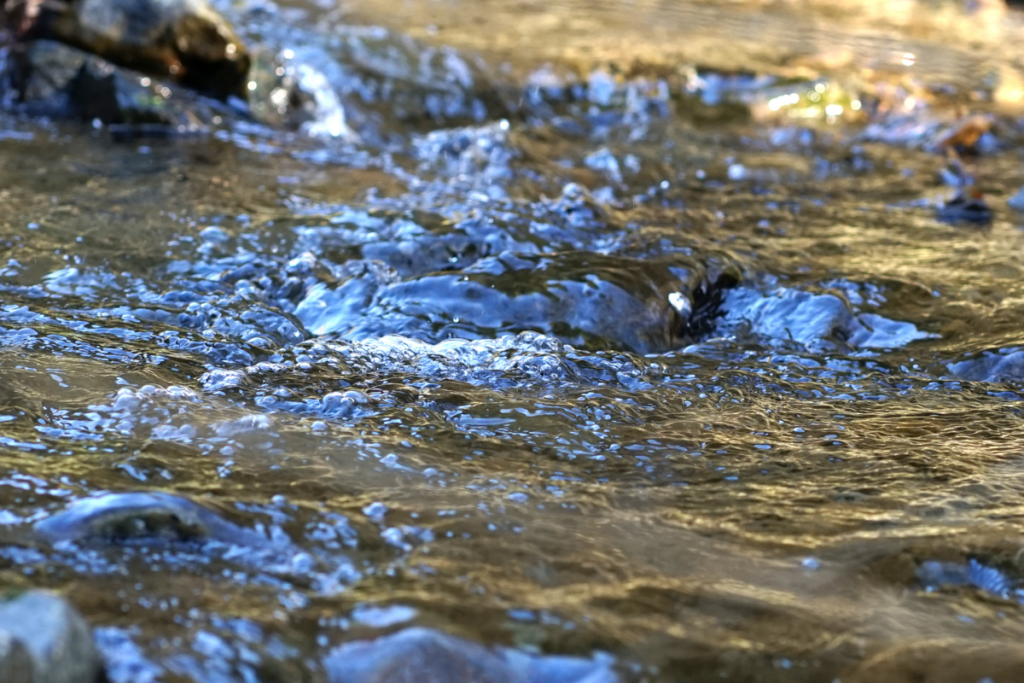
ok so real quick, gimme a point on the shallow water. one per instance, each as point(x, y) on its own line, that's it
point(577, 367)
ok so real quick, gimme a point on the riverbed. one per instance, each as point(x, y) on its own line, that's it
point(638, 332)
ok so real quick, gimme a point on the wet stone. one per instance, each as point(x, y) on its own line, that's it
point(141, 518)
point(43, 639)
point(1016, 202)
point(65, 83)
point(966, 207)
point(185, 41)
point(1005, 365)
point(42, 74)
point(935, 575)
point(427, 656)
point(818, 321)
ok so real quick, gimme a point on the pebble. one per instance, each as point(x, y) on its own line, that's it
point(427, 656)
point(43, 639)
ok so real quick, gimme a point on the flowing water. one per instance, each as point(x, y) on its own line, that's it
point(564, 351)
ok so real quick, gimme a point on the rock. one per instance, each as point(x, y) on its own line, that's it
point(41, 74)
point(43, 639)
point(130, 524)
point(420, 655)
point(141, 517)
point(968, 206)
point(184, 41)
point(818, 321)
point(15, 660)
point(963, 137)
point(1005, 365)
point(357, 83)
point(62, 82)
point(936, 575)
point(1016, 202)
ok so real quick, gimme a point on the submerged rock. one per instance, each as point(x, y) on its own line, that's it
point(584, 299)
point(185, 41)
point(43, 639)
point(141, 518)
point(426, 656)
point(1016, 202)
point(818, 321)
point(1005, 365)
point(935, 575)
point(134, 524)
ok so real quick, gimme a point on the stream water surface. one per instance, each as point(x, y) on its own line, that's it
point(577, 328)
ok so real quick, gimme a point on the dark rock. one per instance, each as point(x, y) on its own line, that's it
point(356, 83)
point(184, 41)
point(94, 93)
point(419, 655)
point(966, 207)
point(126, 525)
point(43, 639)
point(41, 73)
point(62, 82)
